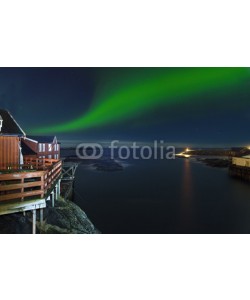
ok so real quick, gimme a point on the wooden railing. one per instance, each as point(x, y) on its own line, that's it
point(30, 163)
point(38, 163)
point(52, 176)
point(29, 183)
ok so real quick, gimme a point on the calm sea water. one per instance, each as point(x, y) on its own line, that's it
point(164, 196)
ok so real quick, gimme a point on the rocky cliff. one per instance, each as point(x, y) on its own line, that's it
point(66, 217)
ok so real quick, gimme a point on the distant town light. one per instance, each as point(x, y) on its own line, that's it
point(187, 149)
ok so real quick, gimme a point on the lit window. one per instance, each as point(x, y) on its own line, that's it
point(50, 147)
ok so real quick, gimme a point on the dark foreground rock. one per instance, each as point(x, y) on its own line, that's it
point(15, 223)
point(66, 217)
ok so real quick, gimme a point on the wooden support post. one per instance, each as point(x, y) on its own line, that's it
point(59, 187)
point(41, 216)
point(55, 190)
point(34, 221)
point(52, 198)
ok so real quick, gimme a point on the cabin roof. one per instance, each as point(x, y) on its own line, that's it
point(42, 139)
point(10, 126)
point(26, 150)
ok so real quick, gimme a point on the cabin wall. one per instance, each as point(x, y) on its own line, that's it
point(240, 161)
point(9, 152)
point(49, 149)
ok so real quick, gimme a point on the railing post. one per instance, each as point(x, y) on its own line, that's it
point(42, 186)
point(45, 182)
point(22, 189)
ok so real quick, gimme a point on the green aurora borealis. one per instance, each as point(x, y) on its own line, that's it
point(162, 88)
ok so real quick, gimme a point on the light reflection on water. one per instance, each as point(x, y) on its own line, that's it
point(186, 197)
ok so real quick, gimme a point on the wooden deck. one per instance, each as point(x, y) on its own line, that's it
point(15, 207)
point(35, 180)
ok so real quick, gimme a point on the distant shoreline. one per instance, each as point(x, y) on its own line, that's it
point(214, 162)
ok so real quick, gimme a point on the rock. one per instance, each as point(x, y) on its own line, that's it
point(108, 165)
point(67, 217)
point(15, 223)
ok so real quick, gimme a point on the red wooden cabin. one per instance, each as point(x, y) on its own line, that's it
point(26, 174)
point(10, 141)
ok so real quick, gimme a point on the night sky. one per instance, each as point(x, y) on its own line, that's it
point(131, 104)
